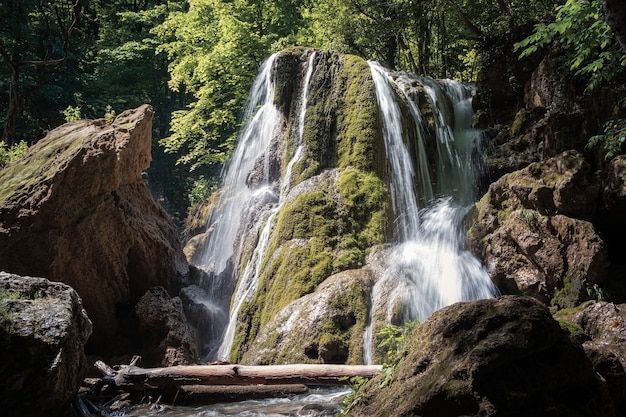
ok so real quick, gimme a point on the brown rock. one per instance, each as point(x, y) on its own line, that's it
point(43, 330)
point(75, 209)
point(531, 230)
point(168, 338)
point(497, 357)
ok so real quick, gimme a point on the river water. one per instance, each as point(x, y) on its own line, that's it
point(324, 401)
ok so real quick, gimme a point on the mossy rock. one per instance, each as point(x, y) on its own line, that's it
point(325, 326)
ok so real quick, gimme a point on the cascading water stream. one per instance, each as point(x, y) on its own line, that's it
point(428, 267)
point(248, 282)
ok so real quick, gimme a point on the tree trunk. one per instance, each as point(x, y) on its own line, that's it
point(133, 377)
point(615, 16)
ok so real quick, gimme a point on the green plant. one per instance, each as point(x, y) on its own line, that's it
point(6, 316)
point(13, 152)
point(528, 215)
point(612, 140)
point(201, 190)
point(394, 338)
point(109, 114)
point(587, 40)
point(597, 292)
point(72, 113)
point(356, 382)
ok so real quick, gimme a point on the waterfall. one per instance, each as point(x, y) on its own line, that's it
point(428, 267)
point(245, 204)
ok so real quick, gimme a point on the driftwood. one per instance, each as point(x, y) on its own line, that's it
point(133, 377)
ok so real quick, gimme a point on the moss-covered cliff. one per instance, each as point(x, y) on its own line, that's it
point(338, 205)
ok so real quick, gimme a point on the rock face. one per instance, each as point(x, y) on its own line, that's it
point(325, 326)
point(43, 330)
point(605, 325)
point(168, 338)
point(532, 230)
point(75, 209)
point(504, 356)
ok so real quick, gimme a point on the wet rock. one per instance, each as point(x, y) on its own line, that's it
point(43, 330)
point(325, 326)
point(494, 357)
point(75, 209)
point(532, 231)
point(168, 338)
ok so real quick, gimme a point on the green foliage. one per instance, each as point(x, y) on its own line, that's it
point(356, 383)
point(598, 293)
point(13, 152)
point(201, 190)
point(109, 114)
point(393, 339)
point(528, 215)
point(72, 114)
point(6, 316)
point(612, 141)
point(589, 44)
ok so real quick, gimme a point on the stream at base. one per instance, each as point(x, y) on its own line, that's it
point(319, 402)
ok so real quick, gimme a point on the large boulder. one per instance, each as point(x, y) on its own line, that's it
point(496, 357)
point(604, 324)
point(75, 209)
point(532, 230)
point(325, 326)
point(43, 330)
point(168, 337)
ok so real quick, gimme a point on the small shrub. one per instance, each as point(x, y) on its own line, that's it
point(394, 338)
point(201, 190)
point(528, 215)
point(612, 140)
point(356, 382)
point(72, 114)
point(109, 114)
point(13, 152)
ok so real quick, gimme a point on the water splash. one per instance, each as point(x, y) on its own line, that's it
point(428, 267)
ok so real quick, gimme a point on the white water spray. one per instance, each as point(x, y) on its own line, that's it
point(428, 267)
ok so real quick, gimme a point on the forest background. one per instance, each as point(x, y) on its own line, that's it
point(194, 61)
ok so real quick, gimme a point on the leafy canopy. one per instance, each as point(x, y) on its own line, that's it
point(589, 44)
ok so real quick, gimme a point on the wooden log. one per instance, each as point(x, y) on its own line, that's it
point(308, 374)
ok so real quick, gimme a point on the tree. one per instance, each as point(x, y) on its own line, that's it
point(34, 42)
point(615, 15)
point(215, 49)
point(579, 29)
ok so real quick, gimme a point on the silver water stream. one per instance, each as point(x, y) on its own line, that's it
point(257, 204)
point(428, 267)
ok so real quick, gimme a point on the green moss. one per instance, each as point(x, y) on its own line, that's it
point(518, 122)
point(569, 292)
point(575, 331)
point(331, 228)
point(342, 126)
point(44, 160)
point(358, 126)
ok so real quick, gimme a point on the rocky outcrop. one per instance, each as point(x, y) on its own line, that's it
point(43, 330)
point(168, 338)
point(532, 230)
point(504, 356)
point(601, 327)
point(325, 326)
point(75, 209)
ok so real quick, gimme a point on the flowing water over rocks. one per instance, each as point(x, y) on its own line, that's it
point(306, 193)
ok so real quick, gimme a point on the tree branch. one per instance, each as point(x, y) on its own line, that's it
point(468, 23)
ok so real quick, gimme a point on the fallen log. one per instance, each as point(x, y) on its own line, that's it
point(308, 374)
